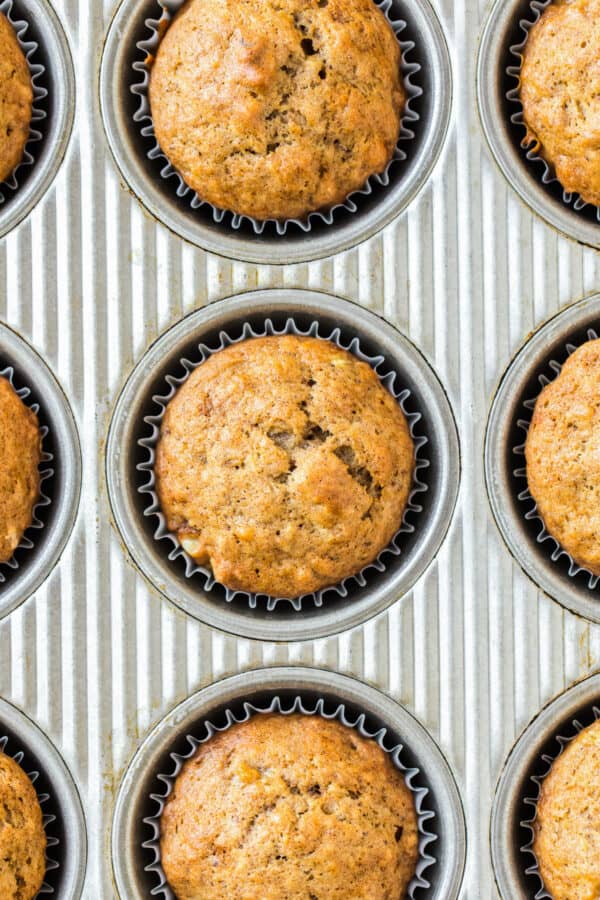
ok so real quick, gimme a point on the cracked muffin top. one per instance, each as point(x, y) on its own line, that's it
point(276, 108)
point(20, 455)
point(567, 827)
point(284, 464)
point(22, 835)
point(560, 93)
point(289, 806)
point(16, 98)
point(562, 453)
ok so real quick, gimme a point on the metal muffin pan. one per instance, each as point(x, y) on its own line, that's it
point(128, 831)
point(59, 80)
point(507, 836)
point(63, 488)
point(41, 755)
point(282, 623)
point(500, 32)
point(407, 178)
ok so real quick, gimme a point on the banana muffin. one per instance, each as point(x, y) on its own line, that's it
point(20, 454)
point(563, 456)
point(276, 108)
point(284, 465)
point(567, 826)
point(16, 98)
point(560, 93)
point(22, 835)
point(289, 806)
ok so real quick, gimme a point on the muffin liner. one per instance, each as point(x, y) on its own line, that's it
point(148, 48)
point(550, 544)
point(149, 443)
point(48, 818)
point(38, 114)
point(532, 148)
point(307, 707)
point(548, 759)
point(27, 543)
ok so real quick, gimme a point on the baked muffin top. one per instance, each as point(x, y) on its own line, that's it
point(567, 828)
point(563, 456)
point(16, 98)
point(284, 464)
point(276, 108)
point(20, 454)
point(289, 806)
point(560, 93)
point(22, 835)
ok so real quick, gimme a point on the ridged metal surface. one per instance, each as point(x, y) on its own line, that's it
point(97, 657)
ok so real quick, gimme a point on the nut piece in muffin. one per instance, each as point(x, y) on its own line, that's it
point(560, 93)
point(22, 835)
point(20, 455)
point(567, 826)
point(277, 108)
point(289, 806)
point(562, 453)
point(284, 464)
point(16, 98)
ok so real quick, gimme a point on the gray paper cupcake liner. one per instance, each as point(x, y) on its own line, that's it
point(531, 149)
point(548, 759)
point(550, 544)
point(148, 443)
point(48, 818)
point(305, 707)
point(143, 117)
point(46, 473)
point(38, 114)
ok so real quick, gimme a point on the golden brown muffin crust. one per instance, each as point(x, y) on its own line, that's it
point(16, 97)
point(276, 108)
point(289, 806)
point(20, 454)
point(563, 456)
point(22, 835)
point(567, 829)
point(284, 464)
point(560, 93)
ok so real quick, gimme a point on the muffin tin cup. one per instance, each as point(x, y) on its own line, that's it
point(208, 326)
point(517, 793)
point(60, 472)
point(255, 243)
point(539, 555)
point(136, 854)
point(501, 118)
point(47, 51)
point(63, 819)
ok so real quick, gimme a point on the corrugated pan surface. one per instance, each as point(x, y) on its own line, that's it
point(97, 657)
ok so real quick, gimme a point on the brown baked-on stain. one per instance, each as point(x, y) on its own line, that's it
point(567, 826)
point(284, 464)
point(289, 806)
point(562, 454)
point(20, 455)
point(16, 98)
point(560, 93)
point(276, 108)
point(22, 835)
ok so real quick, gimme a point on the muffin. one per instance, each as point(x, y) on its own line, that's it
point(289, 806)
point(276, 108)
point(560, 93)
point(562, 454)
point(16, 98)
point(20, 455)
point(284, 465)
point(567, 826)
point(22, 836)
